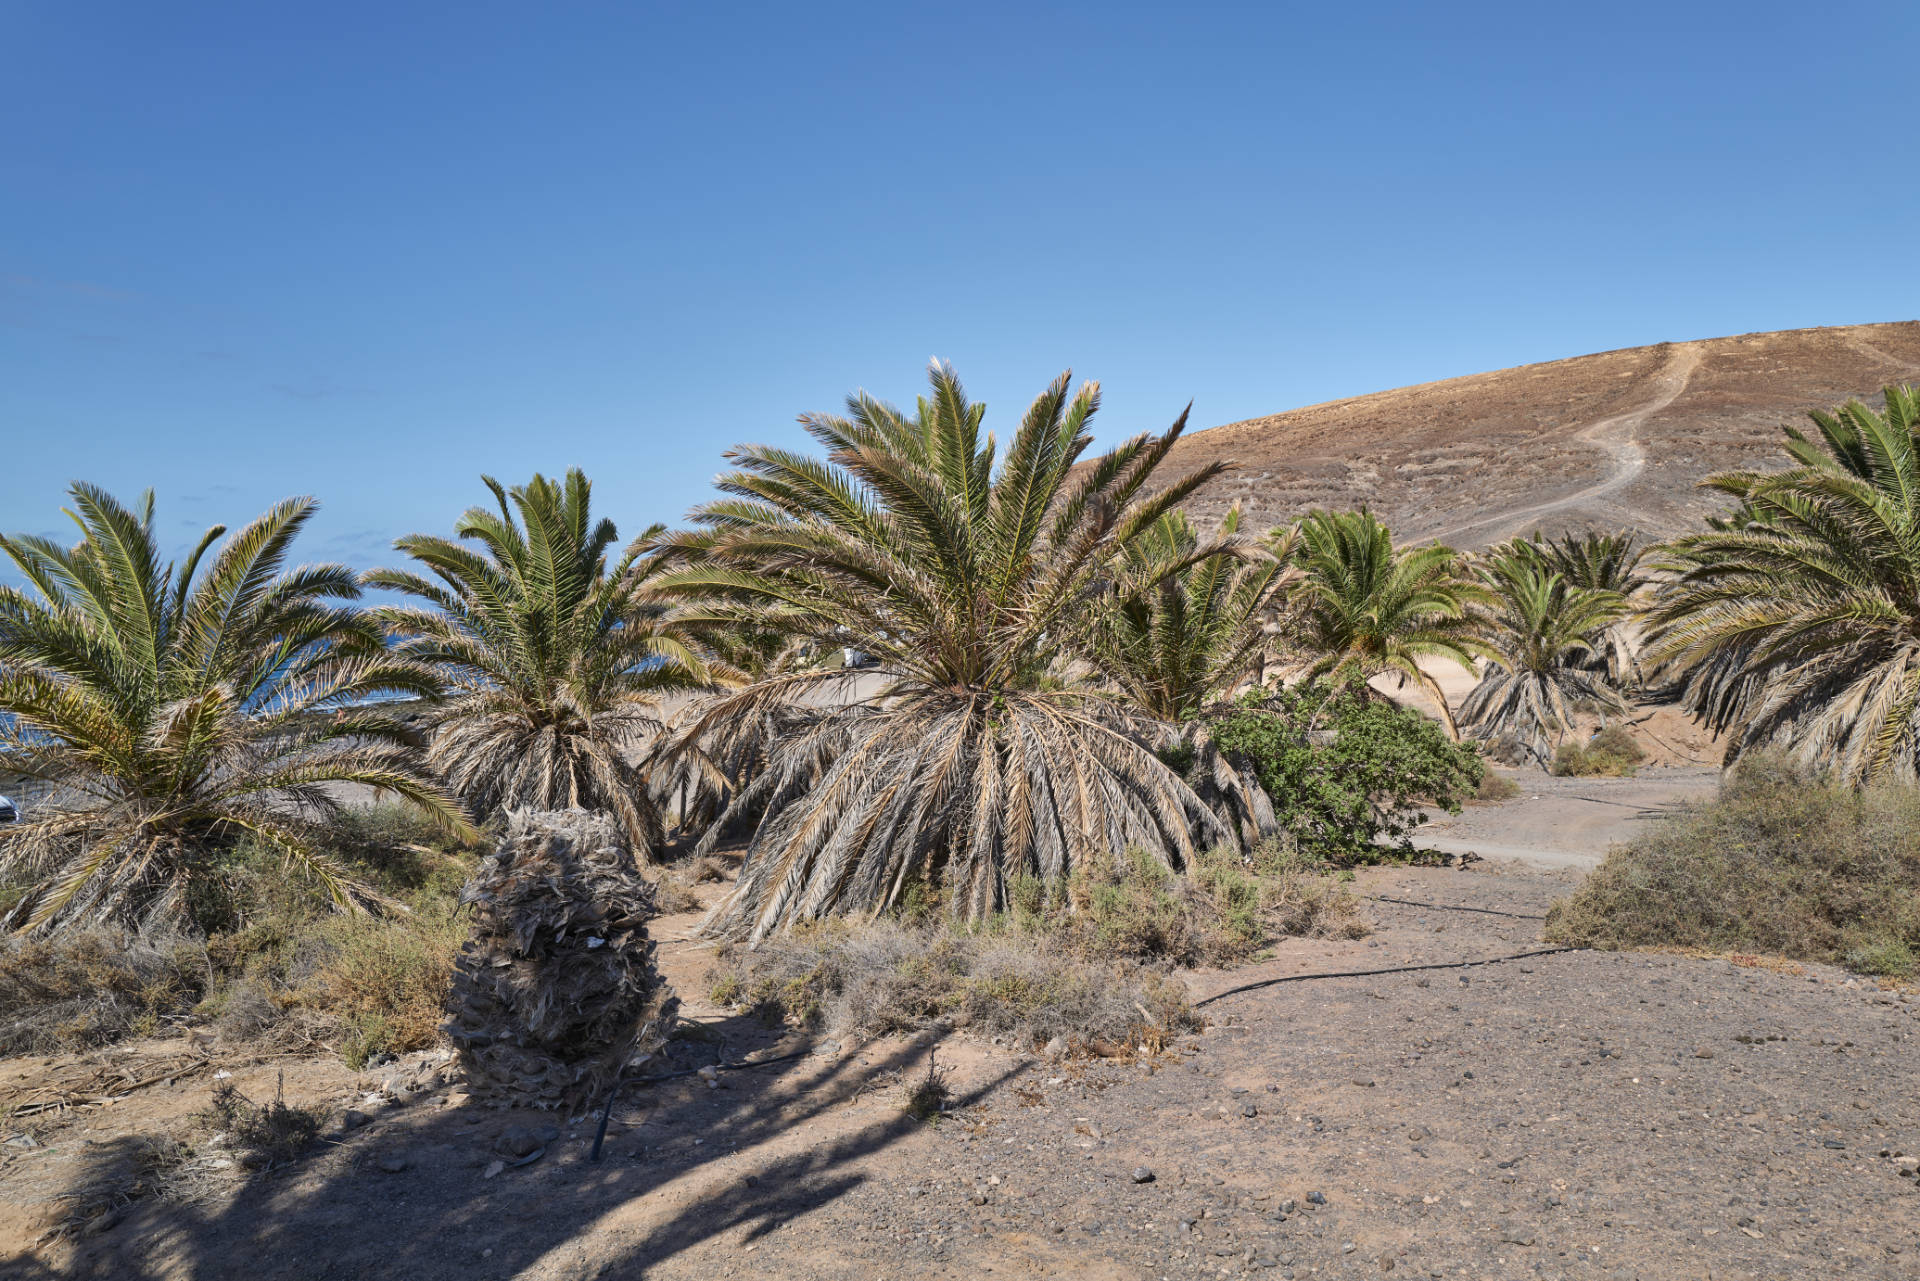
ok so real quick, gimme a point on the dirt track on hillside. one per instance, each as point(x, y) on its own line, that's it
point(1600, 441)
point(1571, 1116)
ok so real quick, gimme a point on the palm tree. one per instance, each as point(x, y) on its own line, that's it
point(557, 662)
point(1605, 563)
point(1540, 633)
point(177, 712)
point(971, 579)
point(1804, 612)
point(1364, 607)
point(1172, 641)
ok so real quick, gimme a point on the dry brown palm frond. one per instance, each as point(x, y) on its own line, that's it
point(972, 581)
point(1796, 621)
point(557, 661)
point(176, 713)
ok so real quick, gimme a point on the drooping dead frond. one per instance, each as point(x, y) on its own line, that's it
point(175, 711)
point(558, 662)
point(969, 579)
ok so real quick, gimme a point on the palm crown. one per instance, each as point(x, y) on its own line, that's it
point(556, 661)
point(1173, 640)
point(1541, 633)
point(970, 578)
point(1366, 607)
point(1803, 612)
point(177, 711)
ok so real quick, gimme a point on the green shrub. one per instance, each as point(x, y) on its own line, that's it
point(1782, 863)
point(1367, 778)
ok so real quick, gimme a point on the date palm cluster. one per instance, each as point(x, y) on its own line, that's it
point(914, 656)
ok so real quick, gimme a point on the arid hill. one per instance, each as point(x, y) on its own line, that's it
point(1614, 440)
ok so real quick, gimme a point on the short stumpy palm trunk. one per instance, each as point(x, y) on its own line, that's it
point(557, 990)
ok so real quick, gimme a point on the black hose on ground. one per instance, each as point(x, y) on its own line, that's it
point(1450, 907)
point(1396, 969)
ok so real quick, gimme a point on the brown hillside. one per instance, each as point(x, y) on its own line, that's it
point(1614, 440)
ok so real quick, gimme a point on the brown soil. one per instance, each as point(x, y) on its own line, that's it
point(1615, 440)
point(1573, 1115)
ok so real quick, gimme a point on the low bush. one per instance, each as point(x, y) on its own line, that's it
point(1345, 767)
point(1781, 862)
point(887, 977)
point(1495, 788)
point(1611, 753)
point(387, 980)
point(264, 1134)
point(279, 964)
point(1227, 908)
point(77, 991)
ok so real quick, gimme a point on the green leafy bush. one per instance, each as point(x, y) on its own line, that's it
point(1345, 767)
point(1782, 862)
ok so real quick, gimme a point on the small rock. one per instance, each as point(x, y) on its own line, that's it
point(457, 1099)
point(1141, 1174)
point(1832, 1143)
point(353, 1119)
point(1056, 1048)
point(979, 1198)
point(1516, 1235)
point(1366, 1083)
point(1703, 1053)
point(1316, 1198)
point(1249, 1110)
point(517, 1141)
point(393, 1162)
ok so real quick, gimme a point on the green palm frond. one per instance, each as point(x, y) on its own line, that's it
point(1183, 623)
point(176, 708)
point(1541, 632)
point(1796, 622)
point(973, 577)
point(1365, 607)
point(558, 661)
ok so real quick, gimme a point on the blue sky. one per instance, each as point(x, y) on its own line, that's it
point(370, 251)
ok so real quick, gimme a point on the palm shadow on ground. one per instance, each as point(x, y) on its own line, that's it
point(683, 1165)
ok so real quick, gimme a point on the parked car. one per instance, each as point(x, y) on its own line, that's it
point(9, 812)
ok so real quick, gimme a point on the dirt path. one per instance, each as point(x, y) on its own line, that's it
point(1566, 822)
point(1583, 1115)
point(1615, 437)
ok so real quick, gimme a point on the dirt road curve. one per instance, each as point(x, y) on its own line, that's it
point(1566, 822)
point(1614, 437)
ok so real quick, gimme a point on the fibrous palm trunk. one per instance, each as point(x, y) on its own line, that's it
point(557, 991)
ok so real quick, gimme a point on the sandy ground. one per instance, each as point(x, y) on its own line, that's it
point(1574, 1115)
point(1567, 822)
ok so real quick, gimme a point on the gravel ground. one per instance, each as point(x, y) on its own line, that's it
point(1577, 1115)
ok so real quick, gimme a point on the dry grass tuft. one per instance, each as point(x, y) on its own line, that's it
point(1781, 863)
point(1612, 753)
point(80, 991)
point(1494, 789)
point(889, 977)
point(927, 1097)
point(265, 1135)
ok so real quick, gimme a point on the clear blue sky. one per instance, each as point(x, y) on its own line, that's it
point(368, 251)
